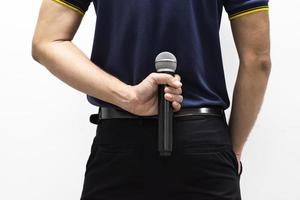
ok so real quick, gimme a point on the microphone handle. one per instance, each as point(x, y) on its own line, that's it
point(165, 122)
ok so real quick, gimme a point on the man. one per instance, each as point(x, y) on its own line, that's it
point(121, 76)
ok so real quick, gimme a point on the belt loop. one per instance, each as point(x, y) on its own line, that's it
point(99, 113)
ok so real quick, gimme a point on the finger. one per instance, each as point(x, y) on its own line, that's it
point(173, 90)
point(176, 106)
point(164, 78)
point(177, 76)
point(170, 97)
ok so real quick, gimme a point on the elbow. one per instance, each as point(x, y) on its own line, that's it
point(258, 64)
point(36, 49)
point(265, 64)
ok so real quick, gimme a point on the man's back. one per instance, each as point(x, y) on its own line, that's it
point(129, 35)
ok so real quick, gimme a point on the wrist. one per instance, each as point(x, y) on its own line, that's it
point(237, 148)
point(238, 154)
point(125, 97)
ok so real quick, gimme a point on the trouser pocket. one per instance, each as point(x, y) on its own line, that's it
point(211, 170)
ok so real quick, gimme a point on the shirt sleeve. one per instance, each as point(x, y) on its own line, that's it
point(238, 8)
point(80, 6)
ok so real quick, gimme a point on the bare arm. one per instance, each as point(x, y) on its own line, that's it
point(251, 35)
point(52, 47)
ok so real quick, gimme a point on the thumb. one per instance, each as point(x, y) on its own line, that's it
point(164, 78)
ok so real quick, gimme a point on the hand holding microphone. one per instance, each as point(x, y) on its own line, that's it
point(156, 95)
point(145, 101)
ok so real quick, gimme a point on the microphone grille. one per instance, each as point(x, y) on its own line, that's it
point(165, 61)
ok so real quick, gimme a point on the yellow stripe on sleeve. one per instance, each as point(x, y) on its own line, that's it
point(71, 6)
point(248, 12)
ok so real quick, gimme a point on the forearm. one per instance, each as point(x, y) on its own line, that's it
point(248, 96)
point(64, 60)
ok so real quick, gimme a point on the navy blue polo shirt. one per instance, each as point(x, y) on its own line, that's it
point(131, 33)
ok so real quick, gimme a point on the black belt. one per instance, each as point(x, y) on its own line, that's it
point(111, 113)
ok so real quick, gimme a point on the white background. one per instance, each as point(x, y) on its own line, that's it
point(45, 133)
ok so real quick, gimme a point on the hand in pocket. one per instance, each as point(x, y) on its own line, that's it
point(240, 168)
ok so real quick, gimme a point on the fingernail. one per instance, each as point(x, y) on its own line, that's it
point(178, 83)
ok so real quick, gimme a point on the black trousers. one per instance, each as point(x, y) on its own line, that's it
point(124, 162)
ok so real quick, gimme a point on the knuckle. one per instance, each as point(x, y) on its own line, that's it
point(179, 98)
point(168, 79)
point(152, 74)
point(168, 76)
point(170, 90)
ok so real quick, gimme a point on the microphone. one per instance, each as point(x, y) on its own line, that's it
point(165, 62)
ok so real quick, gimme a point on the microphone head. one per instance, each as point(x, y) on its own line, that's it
point(165, 62)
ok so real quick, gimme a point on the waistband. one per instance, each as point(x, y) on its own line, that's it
point(112, 113)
